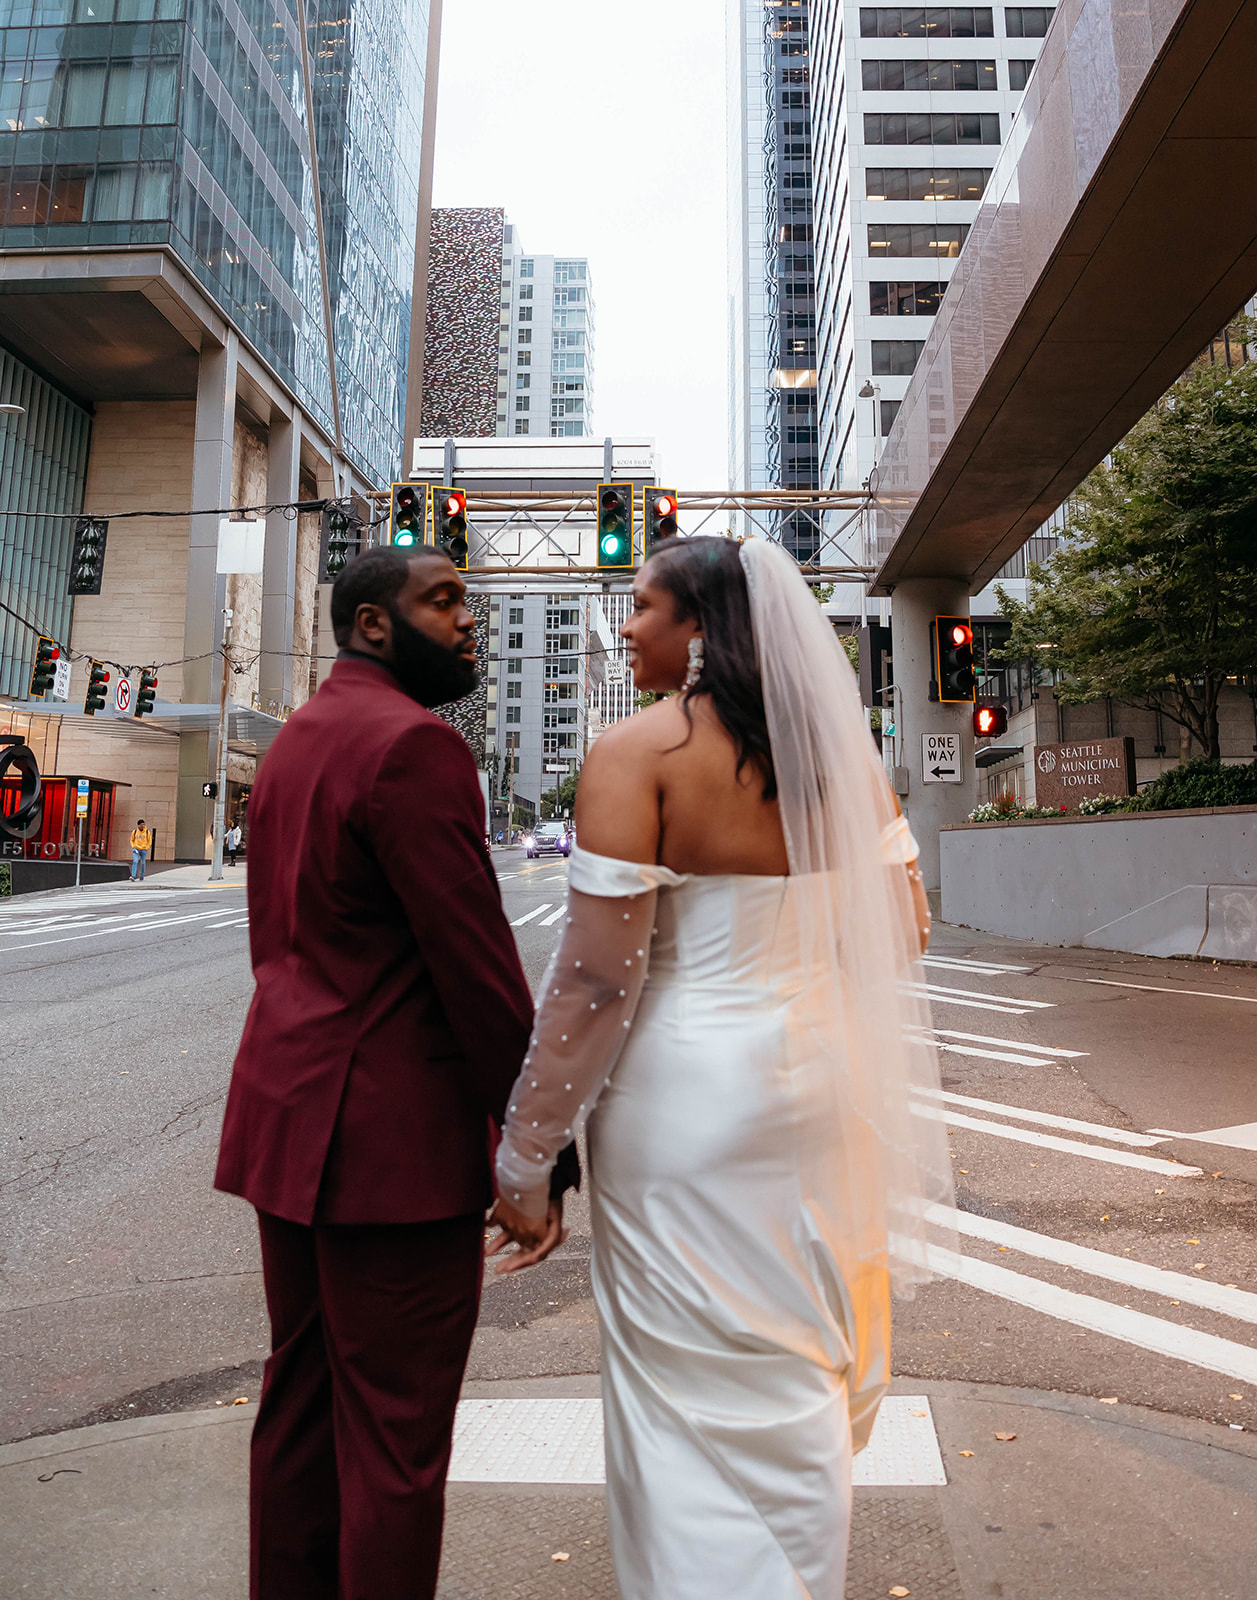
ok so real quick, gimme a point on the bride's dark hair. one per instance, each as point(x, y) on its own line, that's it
point(706, 580)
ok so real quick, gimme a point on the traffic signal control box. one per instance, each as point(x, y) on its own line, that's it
point(955, 681)
point(615, 525)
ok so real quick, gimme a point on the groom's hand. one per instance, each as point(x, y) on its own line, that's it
point(535, 1237)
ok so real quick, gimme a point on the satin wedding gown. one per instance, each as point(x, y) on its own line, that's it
point(741, 1343)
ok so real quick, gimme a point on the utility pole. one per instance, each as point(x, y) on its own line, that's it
point(220, 799)
point(510, 804)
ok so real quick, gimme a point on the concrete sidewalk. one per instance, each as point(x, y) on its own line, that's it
point(1086, 1500)
point(160, 876)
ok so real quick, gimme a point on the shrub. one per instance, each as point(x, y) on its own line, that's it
point(1199, 783)
point(1099, 805)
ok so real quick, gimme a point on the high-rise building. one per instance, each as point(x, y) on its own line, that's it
point(546, 364)
point(616, 696)
point(772, 308)
point(208, 269)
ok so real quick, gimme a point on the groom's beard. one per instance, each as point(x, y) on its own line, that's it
point(429, 672)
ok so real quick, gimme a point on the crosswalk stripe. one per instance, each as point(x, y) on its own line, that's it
point(529, 915)
point(1053, 1050)
point(982, 969)
point(1196, 1291)
point(1050, 1141)
point(1205, 1350)
point(979, 994)
point(548, 922)
point(129, 927)
point(995, 1055)
point(1071, 1124)
point(937, 999)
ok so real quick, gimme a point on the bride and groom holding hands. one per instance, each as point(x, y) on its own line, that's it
point(726, 1017)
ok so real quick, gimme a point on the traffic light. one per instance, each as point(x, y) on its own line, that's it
point(87, 565)
point(953, 660)
point(407, 515)
point(615, 524)
point(990, 722)
point(146, 693)
point(339, 540)
point(449, 524)
point(45, 669)
point(97, 678)
point(659, 518)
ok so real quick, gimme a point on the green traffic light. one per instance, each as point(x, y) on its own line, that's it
point(612, 544)
point(404, 537)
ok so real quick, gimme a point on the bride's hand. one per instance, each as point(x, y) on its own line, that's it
point(535, 1237)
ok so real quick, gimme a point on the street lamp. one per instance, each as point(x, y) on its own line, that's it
point(12, 411)
point(872, 391)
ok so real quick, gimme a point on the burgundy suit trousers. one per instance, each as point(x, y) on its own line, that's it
point(370, 1330)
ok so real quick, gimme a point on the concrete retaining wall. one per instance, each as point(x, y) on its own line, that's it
point(1119, 882)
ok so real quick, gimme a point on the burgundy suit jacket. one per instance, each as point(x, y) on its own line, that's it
point(391, 1013)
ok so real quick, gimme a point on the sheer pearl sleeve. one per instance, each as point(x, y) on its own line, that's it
point(584, 1014)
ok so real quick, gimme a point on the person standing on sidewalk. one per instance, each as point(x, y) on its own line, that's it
point(232, 841)
point(141, 844)
point(389, 1020)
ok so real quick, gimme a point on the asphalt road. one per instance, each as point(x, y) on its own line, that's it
point(1102, 1255)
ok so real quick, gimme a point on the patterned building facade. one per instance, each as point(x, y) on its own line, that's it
point(460, 345)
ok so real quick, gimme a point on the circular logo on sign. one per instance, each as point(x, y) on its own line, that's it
point(1046, 761)
point(122, 694)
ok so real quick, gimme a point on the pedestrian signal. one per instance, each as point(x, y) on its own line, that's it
point(147, 693)
point(955, 678)
point(87, 564)
point(659, 518)
point(449, 522)
point(47, 653)
point(615, 524)
point(990, 722)
point(339, 540)
point(407, 515)
point(97, 678)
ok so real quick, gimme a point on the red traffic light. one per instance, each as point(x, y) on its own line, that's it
point(961, 633)
point(989, 722)
point(453, 505)
point(664, 506)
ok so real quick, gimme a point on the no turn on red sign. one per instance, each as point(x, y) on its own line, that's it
point(122, 695)
point(940, 758)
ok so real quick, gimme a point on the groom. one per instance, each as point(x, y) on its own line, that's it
point(389, 1021)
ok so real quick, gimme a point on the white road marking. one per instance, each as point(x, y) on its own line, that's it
point(1101, 1316)
point(1241, 1137)
point(1070, 1124)
point(959, 964)
point(1069, 1147)
point(242, 922)
point(1012, 1044)
point(937, 998)
point(503, 876)
point(130, 927)
point(560, 1441)
point(529, 915)
point(560, 878)
point(980, 994)
point(1157, 988)
point(552, 918)
point(997, 1055)
point(1196, 1291)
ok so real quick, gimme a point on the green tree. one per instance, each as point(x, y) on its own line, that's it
point(1151, 598)
point(554, 802)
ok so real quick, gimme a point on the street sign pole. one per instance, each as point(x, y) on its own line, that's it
point(220, 800)
point(80, 812)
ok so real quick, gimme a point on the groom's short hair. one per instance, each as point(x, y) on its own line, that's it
point(375, 578)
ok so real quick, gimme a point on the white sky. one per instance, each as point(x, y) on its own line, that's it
point(600, 127)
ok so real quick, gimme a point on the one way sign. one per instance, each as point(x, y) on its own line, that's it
point(940, 757)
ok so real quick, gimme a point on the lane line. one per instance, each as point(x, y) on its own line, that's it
point(135, 927)
point(1049, 1141)
point(1238, 1303)
point(1157, 988)
point(552, 918)
point(1070, 1124)
point(529, 915)
point(1100, 1316)
point(980, 994)
point(1012, 1044)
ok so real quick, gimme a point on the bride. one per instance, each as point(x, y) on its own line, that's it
point(732, 1007)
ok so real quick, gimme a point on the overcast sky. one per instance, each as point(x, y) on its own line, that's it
point(600, 128)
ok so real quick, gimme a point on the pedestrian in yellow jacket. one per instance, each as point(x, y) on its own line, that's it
point(141, 844)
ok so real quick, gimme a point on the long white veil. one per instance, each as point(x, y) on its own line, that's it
point(891, 1189)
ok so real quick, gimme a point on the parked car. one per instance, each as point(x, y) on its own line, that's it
point(548, 839)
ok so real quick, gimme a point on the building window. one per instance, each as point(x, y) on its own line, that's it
point(525, 291)
point(523, 380)
point(521, 402)
point(925, 183)
point(512, 713)
point(920, 22)
point(916, 238)
point(905, 299)
point(890, 410)
point(523, 358)
point(1027, 22)
point(512, 741)
point(514, 641)
point(525, 336)
point(895, 358)
point(515, 616)
point(928, 75)
point(521, 424)
point(525, 271)
point(514, 691)
point(931, 127)
point(1018, 72)
point(514, 663)
point(525, 313)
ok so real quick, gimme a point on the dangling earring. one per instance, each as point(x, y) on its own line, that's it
point(696, 661)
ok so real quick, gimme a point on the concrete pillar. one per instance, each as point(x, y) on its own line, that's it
point(279, 568)
point(914, 604)
point(212, 448)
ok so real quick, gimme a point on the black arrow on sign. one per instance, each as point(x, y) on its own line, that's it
point(939, 771)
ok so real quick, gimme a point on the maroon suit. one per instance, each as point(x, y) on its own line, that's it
point(389, 1022)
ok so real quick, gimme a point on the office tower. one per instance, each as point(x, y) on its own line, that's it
point(222, 305)
point(546, 359)
point(616, 696)
point(772, 313)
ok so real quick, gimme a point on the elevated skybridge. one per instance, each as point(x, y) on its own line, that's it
point(1117, 235)
point(540, 538)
